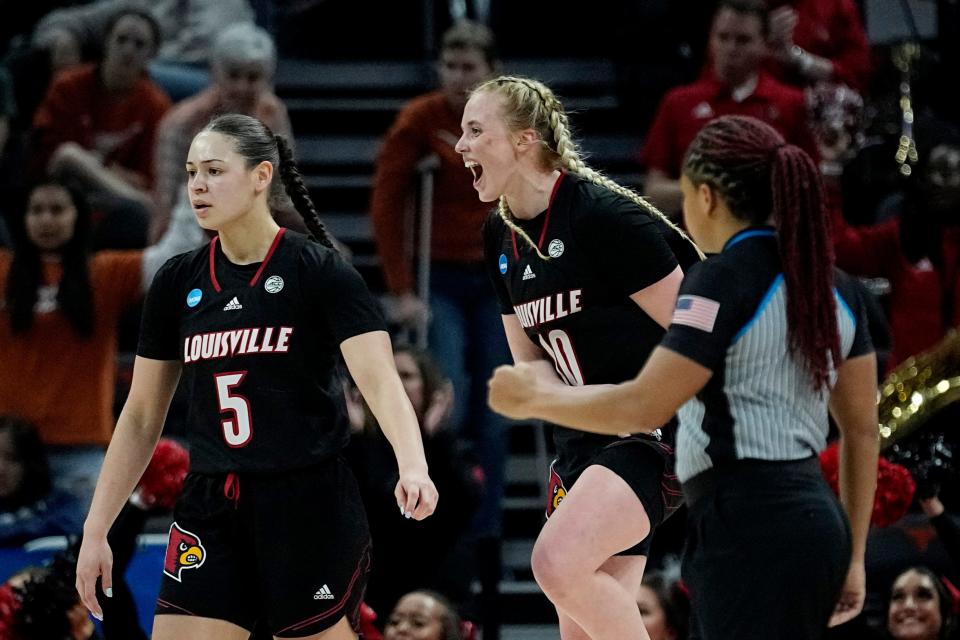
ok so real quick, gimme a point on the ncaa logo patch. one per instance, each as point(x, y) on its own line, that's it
point(555, 248)
point(184, 551)
point(273, 284)
point(193, 298)
point(502, 262)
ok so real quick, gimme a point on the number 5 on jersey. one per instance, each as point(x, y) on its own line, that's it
point(561, 351)
point(238, 427)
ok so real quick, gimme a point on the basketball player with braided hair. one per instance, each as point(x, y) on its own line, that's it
point(269, 529)
point(586, 278)
point(766, 338)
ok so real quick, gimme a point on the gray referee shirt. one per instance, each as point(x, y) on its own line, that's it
point(731, 317)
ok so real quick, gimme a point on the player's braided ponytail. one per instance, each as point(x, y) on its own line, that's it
point(293, 183)
point(530, 104)
point(256, 143)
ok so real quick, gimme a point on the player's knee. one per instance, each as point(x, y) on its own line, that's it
point(554, 569)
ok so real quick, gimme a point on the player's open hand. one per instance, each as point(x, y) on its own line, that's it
point(94, 561)
point(511, 390)
point(416, 495)
point(851, 596)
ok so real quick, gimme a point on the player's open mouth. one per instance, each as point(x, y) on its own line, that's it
point(476, 170)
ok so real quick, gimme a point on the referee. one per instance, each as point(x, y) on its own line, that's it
point(765, 338)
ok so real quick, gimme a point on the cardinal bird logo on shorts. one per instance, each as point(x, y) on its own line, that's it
point(556, 492)
point(184, 551)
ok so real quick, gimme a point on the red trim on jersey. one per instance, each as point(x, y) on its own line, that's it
point(213, 272)
point(263, 265)
point(546, 219)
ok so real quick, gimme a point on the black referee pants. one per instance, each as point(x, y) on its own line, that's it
point(768, 548)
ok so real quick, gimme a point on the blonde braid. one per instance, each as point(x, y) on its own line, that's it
point(570, 159)
point(504, 212)
point(541, 110)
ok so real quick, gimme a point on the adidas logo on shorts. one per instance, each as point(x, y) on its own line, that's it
point(323, 593)
point(528, 273)
point(233, 304)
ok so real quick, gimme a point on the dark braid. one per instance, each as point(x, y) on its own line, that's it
point(256, 143)
point(759, 175)
point(293, 183)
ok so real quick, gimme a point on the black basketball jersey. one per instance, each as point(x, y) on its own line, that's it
point(259, 345)
point(576, 305)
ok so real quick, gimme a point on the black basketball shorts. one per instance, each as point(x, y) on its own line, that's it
point(291, 549)
point(646, 464)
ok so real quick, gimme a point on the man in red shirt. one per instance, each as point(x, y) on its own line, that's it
point(735, 84)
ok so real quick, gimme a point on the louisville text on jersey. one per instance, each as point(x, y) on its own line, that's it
point(236, 342)
point(548, 308)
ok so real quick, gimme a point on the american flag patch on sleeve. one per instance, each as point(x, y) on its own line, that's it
point(697, 312)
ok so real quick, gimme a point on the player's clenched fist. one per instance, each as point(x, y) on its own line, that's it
point(511, 390)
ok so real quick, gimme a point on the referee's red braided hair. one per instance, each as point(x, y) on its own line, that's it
point(761, 177)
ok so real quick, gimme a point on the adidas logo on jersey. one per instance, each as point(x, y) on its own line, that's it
point(323, 593)
point(233, 304)
point(528, 273)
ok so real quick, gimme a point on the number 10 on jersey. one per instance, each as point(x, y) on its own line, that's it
point(560, 349)
point(238, 427)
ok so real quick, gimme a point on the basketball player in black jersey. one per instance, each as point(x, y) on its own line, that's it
point(270, 527)
point(766, 337)
point(587, 279)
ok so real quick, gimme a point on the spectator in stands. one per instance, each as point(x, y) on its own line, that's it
point(242, 64)
point(734, 84)
point(465, 332)
point(434, 553)
point(819, 41)
point(43, 603)
point(665, 607)
point(188, 27)
point(58, 325)
point(97, 126)
point(920, 607)
point(918, 252)
point(34, 59)
point(423, 615)
point(39, 604)
point(945, 524)
point(29, 505)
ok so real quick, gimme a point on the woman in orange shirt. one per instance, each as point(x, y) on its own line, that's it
point(97, 125)
point(58, 325)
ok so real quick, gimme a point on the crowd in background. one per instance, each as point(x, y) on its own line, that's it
point(99, 102)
